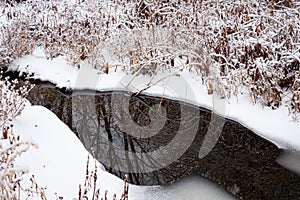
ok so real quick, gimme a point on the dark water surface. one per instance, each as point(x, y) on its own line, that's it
point(241, 162)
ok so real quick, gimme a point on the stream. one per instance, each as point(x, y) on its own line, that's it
point(241, 162)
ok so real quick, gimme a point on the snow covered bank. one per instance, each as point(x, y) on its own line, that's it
point(59, 164)
point(274, 125)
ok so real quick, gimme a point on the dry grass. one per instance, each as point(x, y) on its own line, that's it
point(246, 45)
point(12, 101)
point(89, 191)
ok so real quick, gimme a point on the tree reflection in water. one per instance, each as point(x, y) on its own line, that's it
point(241, 162)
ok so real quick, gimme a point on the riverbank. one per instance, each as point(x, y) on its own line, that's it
point(276, 125)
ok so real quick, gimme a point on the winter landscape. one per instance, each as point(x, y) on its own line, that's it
point(86, 85)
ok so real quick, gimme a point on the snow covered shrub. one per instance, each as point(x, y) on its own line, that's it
point(62, 28)
point(10, 174)
point(17, 36)
point(148, 36)
point(12, 102)
point(73, 30)
point(254, 46)
point(233, 44)
point(13, 2)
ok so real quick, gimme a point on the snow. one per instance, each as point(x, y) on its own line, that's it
point(59, 164)
point(56, 68)
point(62, 156)
point(274, 125)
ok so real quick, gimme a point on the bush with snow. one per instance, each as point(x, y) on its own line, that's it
point(237, 46)
point(12, 102)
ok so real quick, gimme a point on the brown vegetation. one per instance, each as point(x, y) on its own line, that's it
point(241, 46)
